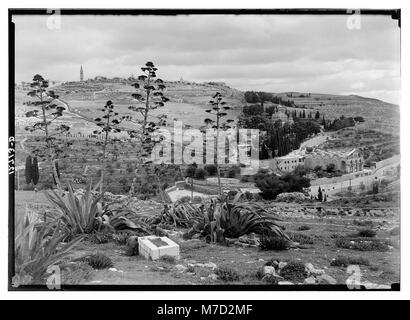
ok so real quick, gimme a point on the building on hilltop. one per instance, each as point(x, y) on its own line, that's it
point(81, 74)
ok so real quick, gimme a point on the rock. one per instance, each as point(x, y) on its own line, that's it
point(285, 283)
point(292, 197)
point(269, 270)
point(311, 270)
point(310, 280)
point(210, 265)
point(370, 286)
point(326, 279)
point(282, 264)
point(213, 276)
point(180, 267)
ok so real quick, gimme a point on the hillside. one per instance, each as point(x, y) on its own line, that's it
point(378, 115)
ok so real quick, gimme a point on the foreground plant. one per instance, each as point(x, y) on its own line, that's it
point(78, 214)
point(37, 248)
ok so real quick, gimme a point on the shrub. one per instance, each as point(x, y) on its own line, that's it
point(303, 228)
point(76, 272)
point(362, 244)
point(120, 238)
point(366, 233)
point(301, 238)
point(267, 242)
point(200, 174)
point(210, 169)
point(132, 246)
point(98, 261)
point(363, 223)
point(227, 274)
point(294, 271)
point(231, 173)
point(99, 237)
point(344, 261)
point(168, 259)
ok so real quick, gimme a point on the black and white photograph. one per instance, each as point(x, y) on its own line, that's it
point(209, 149)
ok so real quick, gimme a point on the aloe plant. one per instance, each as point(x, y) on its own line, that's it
point(36, 248)
point(79, 214)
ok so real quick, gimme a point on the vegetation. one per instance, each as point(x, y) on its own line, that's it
point(219, 109)
point(271, 185)
point(38, 246)
point(78, 214)
point(47, 115)
point(98, 261)
point(269, 242)
point(227, 274)
point(364, 244)
point(345, 261)
point(294, 271)
point(109, 123)
point(31, 170)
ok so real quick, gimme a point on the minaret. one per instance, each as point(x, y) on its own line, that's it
point(81, 74)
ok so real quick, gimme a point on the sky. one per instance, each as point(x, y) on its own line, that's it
point(275, 53)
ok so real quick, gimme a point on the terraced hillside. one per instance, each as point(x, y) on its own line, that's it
point(379, 115)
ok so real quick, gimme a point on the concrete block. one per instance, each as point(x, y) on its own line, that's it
point(153, 247)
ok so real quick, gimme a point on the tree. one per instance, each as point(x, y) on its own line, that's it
point(108, 123)
point(35, 174)
point(218, 109)
point(47, 115)
point(331, 167)
point(271, 185)
point(319, 195)
point(28, 170)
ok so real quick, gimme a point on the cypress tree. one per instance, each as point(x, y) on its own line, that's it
point(319, 195)
point(28, 170)
point(34, 171)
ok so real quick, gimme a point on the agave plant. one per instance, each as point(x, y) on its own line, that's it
point(238, 218)
point(79, 214)
point(38, 246)
point(179, 214)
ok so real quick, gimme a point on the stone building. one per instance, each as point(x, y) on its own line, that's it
point(344, 161)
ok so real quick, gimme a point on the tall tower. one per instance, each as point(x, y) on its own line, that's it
point(81, 74)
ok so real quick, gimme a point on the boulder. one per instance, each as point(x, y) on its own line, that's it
point(310, 280)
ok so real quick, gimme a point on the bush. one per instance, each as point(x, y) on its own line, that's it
point(344, 261)
point(210, 169)
point(200, 174)
point(302, 238)
point(98, 261)
point(267, 242)
point(99, 237)
point(168, 259)
point(294, 271)
point(366, 233)
point(362, 244)
point(75, 273)
point(227, 274)
point(303, 228)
